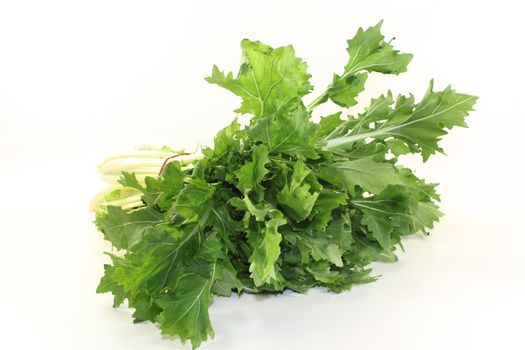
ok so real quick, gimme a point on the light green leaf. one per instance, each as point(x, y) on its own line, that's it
point(392, 213)
point(398, 147)
point(368, 52)
point(298, 197)
point(268, 80)
point(344, 90)
point(108, 284)
point(227, 140)
point(289, 133)
point(266, 252)
point(424, 215)
point(328, 124)
point(322, 249)
point(252, 173)
point(371, 176)
point(421, 126)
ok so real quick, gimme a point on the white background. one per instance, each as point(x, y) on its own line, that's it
point(80, 80)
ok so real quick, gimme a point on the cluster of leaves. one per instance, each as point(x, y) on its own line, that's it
point(283, 202)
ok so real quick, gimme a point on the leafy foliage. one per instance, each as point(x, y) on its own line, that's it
point(269, 79)
point(283, 202)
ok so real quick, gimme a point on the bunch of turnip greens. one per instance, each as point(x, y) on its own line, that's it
point(283, 202)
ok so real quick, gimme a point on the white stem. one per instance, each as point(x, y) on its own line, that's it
point(152, 155)
point(118, 167)
point(129, 195)
point(124, 201)
point(132, 205)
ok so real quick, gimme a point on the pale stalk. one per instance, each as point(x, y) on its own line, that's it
point(146, 162)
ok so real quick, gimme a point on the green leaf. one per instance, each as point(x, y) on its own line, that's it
point(322, 272)
point(252, 173)
point(320, 248)
point(145, 308)
point(193, 198)
point(368, 51)
point(390, 213)
point(124, 229)
point(421, 126)
point(339, 231)
point(349, 276)
point(151, 266)
point(297, 197)
point(259, 211)
point(226, 279)
point(366, 250)
point(227, 140)
point(289, 133)
point(398, 147)
point(108, 284)
point(371, 176)
point(266, 252)
point(381, 227)
point(381, 108)
point(426, 125)
point(163, 190)
point(327, 201)
point(424, 214)
point(185, 309)
point(328, 124)
point(344, 90)
point(159, 191)
point(227, 228)
point(268, 80)
point(130, 180)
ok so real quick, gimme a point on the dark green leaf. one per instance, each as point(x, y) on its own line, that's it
point(124, 229)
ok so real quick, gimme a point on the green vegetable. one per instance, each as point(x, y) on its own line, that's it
point(281, 203)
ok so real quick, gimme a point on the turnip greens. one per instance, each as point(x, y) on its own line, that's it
point(280, 203)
